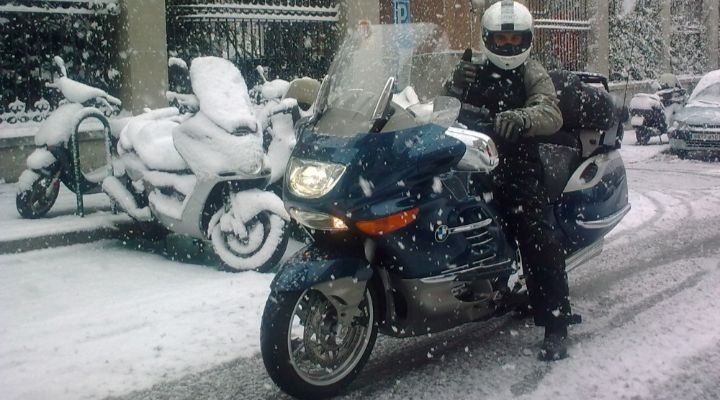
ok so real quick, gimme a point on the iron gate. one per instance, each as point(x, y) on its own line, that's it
point(562, 32)
point(293, 37)
point(33, 32)
point(688, 42)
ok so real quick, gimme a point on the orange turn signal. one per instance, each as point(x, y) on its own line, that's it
point(388, 224)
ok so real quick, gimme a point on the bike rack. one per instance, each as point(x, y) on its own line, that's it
point(75, 148)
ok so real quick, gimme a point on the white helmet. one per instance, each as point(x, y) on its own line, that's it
point(507, 16)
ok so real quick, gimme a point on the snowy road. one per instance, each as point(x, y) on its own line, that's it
point(103, 319)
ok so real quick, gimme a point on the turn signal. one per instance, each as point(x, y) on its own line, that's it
point(388, 224)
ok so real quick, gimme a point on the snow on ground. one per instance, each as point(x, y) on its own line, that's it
point(88, 321)
point(60, 219)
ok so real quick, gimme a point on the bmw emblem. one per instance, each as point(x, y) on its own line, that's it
point(441, 233)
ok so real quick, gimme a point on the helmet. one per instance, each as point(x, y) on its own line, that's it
point(507, 17)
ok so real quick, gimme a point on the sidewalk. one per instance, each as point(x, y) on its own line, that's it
point(61, 226)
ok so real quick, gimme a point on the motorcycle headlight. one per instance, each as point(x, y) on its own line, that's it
point(312, 179)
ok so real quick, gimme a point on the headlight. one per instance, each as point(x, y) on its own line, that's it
point(312, 179)
point(319, 221)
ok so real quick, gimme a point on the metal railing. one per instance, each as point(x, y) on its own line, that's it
point(292, 37)
point(562, 31)
point(688, 41)
point(34, 31)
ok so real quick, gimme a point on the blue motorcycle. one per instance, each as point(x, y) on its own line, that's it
point(407, 239)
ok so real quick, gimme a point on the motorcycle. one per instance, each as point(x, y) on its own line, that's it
point(207, 173)
point(407, 239)
point(57, 156)
point(653, 114)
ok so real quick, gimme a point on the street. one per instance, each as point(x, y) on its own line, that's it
point(109, 319)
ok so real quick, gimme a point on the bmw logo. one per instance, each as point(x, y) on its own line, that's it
point(441, 233)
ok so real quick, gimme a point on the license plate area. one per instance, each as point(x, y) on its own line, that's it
point(713, 137)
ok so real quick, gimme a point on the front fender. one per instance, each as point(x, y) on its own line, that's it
point(313, 266)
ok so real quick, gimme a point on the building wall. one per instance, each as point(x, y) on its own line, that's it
point(461, 24)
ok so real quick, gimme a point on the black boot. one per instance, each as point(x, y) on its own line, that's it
point(554, 345)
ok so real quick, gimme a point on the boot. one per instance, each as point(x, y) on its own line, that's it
point(554, 345)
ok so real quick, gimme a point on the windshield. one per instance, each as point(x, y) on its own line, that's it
point(708, 94)
point(417, 56)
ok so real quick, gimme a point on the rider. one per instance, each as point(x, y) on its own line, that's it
point(519, 96)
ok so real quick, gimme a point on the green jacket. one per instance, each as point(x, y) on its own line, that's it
point(499, 90)
point(541, 105)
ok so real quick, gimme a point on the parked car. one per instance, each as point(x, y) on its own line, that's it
point(697, 126)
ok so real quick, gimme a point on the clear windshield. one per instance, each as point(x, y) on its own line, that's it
point(416, 55)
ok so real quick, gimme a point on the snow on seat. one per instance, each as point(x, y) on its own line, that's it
point(223, 94)
point(211, 151)
point(150, 137)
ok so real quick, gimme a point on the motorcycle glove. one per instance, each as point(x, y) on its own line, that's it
point(512, 125)
point(465, 74)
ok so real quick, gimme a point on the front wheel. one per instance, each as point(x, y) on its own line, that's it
point(36, 194)
point(307, 350)
point(260, 248)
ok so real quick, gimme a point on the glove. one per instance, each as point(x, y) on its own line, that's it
point(465, 74)
point(512, 125)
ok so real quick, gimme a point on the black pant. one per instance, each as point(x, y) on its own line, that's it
point(524, 200)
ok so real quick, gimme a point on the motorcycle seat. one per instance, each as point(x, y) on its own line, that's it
point(583, 106)
point(153, 143)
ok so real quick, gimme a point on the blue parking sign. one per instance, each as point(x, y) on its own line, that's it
point(402, 11)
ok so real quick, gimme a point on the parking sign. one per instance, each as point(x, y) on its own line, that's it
point(402, 11)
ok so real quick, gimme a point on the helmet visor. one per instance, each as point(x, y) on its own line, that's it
point(507, 43)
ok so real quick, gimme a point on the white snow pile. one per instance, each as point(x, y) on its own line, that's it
point(278, 114)
point(645, 101)
point(210, 150)
point(223, 94)
point(245, 207)
point(712, 78)
point(59, 126)
point(26, 180)
point(177, 62)
point(99, 320)
point(150, 136)
point(275, 89)
point(40, 158)
point(171, 205)
point(77, 92)
point(117, 191)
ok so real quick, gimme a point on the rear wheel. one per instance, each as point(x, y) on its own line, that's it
point(38, 194)
point(307, 350)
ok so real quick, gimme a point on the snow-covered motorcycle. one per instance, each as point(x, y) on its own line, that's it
point(653, 114)
point(205, 174)
point(398, 198)
point(57, 158)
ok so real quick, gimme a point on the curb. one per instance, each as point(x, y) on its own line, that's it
point(64, 239)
